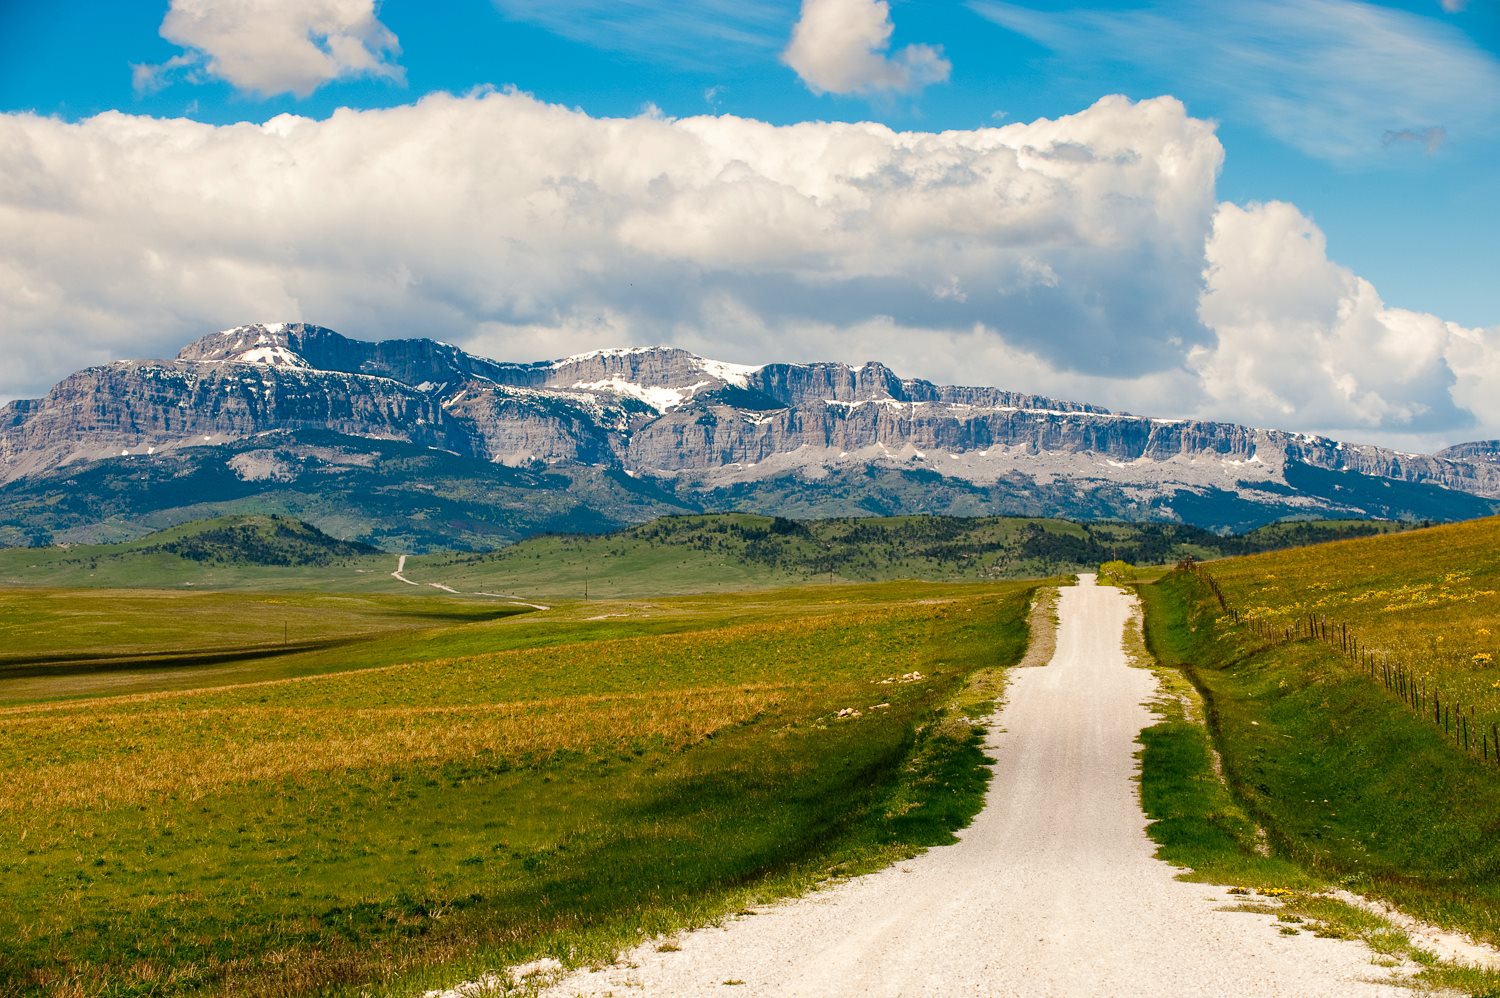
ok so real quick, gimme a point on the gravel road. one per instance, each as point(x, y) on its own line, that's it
point(1052, 891)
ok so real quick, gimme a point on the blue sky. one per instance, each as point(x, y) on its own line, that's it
point(1379, 122)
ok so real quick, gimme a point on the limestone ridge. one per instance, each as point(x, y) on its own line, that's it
point(667, 414)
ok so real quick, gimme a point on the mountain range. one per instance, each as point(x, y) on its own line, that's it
point(415, 444)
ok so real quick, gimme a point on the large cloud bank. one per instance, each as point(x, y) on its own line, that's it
point(1084, 256)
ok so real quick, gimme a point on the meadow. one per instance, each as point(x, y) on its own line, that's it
point(445, 790)
point(1426, 603)
point(1333, 779)
point(90, 642)
point(290, 789)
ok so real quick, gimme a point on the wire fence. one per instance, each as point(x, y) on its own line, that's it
point(1477, 738)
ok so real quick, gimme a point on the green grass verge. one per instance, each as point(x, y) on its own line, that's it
point(1325, 782)
point(561, 786)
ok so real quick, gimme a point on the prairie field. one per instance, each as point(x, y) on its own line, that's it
point(445, 790)
point(1354, 778)
point(74, 642)
point(1429, 600)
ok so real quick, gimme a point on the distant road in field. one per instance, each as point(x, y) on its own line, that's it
point(1052, 891)
point(400, 576)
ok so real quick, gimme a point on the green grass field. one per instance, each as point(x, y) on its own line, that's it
point(94, 642)
point(446, 791)
point(303, 791)
point(1348, 785)
point(1428, 600)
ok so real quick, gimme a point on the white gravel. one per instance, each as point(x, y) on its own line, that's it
point(1052, 891)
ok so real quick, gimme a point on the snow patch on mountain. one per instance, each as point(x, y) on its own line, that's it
point(273, 355)
point(733, 374)
point(659, 398)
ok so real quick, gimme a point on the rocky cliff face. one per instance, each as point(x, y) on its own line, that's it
point(1477, 450)
point(668, 414)
point(146, 406)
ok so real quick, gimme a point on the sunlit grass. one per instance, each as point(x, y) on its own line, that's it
point(1347, 782)
point(486, 792)
point(57, 643)
point(1428, 599)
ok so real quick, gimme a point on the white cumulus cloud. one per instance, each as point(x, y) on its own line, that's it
point(497, 209)
point(1085, 256)
point(274, 46)
point(1303, 341)
point(843, 47)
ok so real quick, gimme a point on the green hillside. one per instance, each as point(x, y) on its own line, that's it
point(256, 540)
point(676, 554)
point(251, 551)
point(738, 551)
point(1353, 692)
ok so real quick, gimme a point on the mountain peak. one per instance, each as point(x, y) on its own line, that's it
point(664, 378)
point(659, 362)
point(272, 344)
point(651, 363)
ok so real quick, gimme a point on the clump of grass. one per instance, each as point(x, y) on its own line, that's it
point(1042, 624)
point(1197, 821)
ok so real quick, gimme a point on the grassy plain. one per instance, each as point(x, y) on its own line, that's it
point(481, 792)
point(1430, 599)
point(1330, 779)
point(92, 642)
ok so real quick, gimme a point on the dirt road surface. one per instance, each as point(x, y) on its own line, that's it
point(1052, 891)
